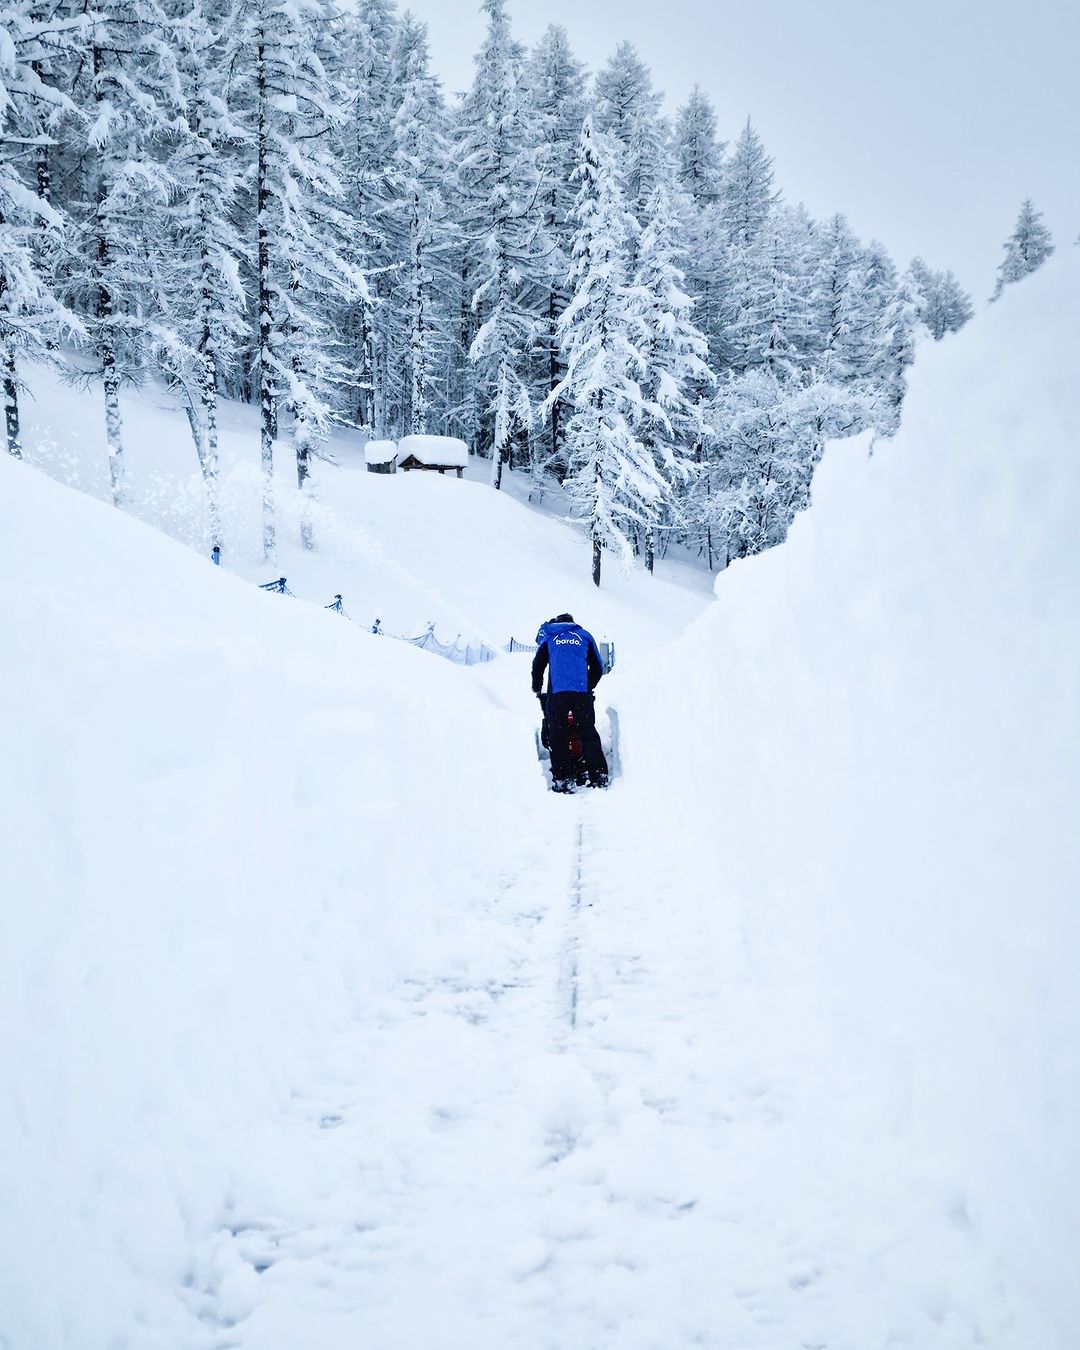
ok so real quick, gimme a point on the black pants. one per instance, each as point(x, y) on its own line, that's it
point(563, 767)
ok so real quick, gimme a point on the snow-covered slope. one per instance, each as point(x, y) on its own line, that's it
point(231, 823)
point(408, 549)
point(322, 1025)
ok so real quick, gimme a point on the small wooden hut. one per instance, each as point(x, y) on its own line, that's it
point(381, 456)
point(433, 454)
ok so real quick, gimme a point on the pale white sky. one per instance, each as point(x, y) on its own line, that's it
point(926, 123)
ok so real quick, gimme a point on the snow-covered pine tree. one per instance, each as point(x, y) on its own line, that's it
point(711, 272)
point(202, 295)
point(707, 251)
point(946, 305)
point(32, 318)
point(898, 331)
point(1026, 249)
point(698, 154)
point(843, 324)
point(628, 109)
point(772, 322)
point(765, 309)
point(622, 93)
point(418, 173)
point(676, 375)
point(556, 86)
point(128, 91)
point(770, 436)
point(746, 194)
point(501, 190)
point(302, 234)
point(613, 480)
point(369, 70)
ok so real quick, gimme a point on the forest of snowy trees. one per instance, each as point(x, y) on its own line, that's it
point(273, 201)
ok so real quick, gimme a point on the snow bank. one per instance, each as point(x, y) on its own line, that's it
point(445, 450)
point(875, 755)
point(380, 452)
point(223, 840)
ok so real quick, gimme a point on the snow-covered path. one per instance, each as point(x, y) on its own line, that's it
point(599, 1122)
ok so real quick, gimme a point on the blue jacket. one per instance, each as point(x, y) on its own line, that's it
point(571, 656)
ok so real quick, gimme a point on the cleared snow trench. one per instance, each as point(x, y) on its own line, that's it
point(322, 1024)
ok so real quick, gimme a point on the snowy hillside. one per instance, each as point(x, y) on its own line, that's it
point(409, 549)
point(322, 1024)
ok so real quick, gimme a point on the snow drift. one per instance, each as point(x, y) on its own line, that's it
point(222, 839)
point(876, 748)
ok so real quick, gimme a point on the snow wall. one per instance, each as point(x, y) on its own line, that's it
point(872, 738)
point(227, 832)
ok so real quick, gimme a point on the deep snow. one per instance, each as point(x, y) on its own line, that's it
point(323, 1025)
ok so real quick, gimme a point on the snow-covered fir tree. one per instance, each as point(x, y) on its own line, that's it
point(622, 91)
point(843, 320)
point(32, 318)
point(898, 329)
point(676, 377)
point(946, 305)
point(556, 85)
point(770, 433)
point(501, 192)
point(128, 93)
point(417, 176)
point(628, 110)
point(747, 194)
point(773, 319)
point(201, 296)
point(1026, 249)
point(613, 480)
point(698, 153)
point(706, 247)
point(303, 262)
point(367, 37)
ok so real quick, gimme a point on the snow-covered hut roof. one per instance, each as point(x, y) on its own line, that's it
point(380, 452)
point(447, 451)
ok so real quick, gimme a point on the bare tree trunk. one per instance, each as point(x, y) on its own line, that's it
point(417, 385)
point(11, 401)
point(553, 380)
point(42, 173)
point(11, 383)
point(596, 559)
point(211, 478)
point(650, 548)
point(110, 378)
point(110, 375)
point(302, 441)
point(498, 448)
point(206, 432)
point(377, 362)
point(267, 416)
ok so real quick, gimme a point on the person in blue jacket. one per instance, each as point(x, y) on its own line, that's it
point(571, 659)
